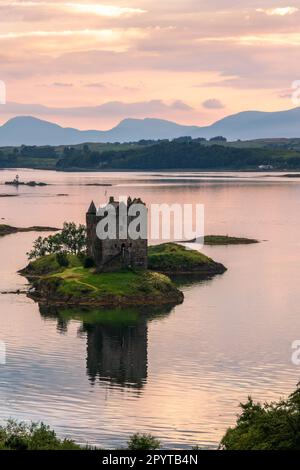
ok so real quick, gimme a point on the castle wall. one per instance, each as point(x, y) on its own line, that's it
point(113, 255)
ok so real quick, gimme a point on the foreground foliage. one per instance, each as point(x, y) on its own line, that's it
point(38, 436)
point(269, 426)
point(34, 436)
point(143, 442)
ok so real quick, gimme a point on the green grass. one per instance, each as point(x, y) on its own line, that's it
point(78, 282)
point(171, 257)
point(48, 265)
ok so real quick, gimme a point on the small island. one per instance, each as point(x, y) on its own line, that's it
point(76, 284)
point(75, 267)
point(16, 182)
point(223, 240)
point(227, 240)
point(173, 259)
point(8, 229)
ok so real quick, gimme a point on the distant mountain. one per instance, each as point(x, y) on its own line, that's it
point(28, 130)
point(256, 125)
point(246, 125)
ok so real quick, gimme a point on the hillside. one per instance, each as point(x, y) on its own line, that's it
point(183, 153)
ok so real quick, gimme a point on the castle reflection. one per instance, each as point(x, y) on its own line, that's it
point(117, 341)
point(118, 354)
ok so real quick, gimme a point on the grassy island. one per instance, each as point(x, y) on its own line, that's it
point(171, 258)
point(64, 279)
point(76, 285)
point(8, 229)
point(227, 240)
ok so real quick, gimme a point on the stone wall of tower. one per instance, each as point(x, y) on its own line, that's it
point(114, 254)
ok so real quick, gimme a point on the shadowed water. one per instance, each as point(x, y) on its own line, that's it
point(178, 373)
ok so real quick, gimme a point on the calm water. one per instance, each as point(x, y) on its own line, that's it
point(179, 374)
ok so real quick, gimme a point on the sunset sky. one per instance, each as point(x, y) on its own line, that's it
point(89, 64)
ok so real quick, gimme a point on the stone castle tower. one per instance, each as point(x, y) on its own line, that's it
point(115, 254)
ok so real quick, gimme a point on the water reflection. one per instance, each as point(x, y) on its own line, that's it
point(117, 341)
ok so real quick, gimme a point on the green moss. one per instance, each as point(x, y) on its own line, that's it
point(174, 258)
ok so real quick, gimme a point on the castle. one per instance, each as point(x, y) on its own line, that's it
point(117, 253)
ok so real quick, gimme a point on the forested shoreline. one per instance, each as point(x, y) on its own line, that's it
point(178, 154)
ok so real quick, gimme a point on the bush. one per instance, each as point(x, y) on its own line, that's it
point(143, 442)
point(71, 240)
point(62, 259)
point(34, 436)
point(88, 263)
point(271, 426)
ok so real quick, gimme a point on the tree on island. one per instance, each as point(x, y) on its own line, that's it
point(71, 240)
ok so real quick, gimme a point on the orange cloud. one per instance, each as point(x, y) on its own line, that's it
point(146, 51)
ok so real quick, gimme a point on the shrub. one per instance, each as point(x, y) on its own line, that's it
point(88, 263)
point(34, 436)
point(62, 259)
point(271, 426)
point(71, 240)
point(143, 442)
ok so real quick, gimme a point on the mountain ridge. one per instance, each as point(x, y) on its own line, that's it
point(246, 125)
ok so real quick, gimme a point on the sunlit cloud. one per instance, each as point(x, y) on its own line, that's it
point(283, 11)
point(100, 33)
point(271, 39)
point(103, 10)
point(90, 8)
